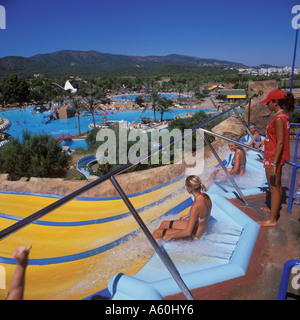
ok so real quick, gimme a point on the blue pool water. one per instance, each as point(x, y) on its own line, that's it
point(73, 144)
point(24, 120)
point(134, 96)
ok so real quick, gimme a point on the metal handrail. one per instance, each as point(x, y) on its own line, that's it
point(247, 129)
point(227, 173)
point(44, 211)
point(238, 143)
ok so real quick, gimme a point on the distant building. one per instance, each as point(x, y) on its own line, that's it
point(269, 71)
point(234, 93)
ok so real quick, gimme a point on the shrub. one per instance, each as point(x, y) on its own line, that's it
point(36, 156)
point(197, 118)
point(295, 116)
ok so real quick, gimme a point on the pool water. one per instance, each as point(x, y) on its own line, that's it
point(134, 96)
point(24, 120)
point(73, 144)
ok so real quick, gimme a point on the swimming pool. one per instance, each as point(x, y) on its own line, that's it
point(73, 144)
point(134, 96)
point(23, 119)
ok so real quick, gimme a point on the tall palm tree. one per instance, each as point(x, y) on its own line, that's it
point(77, 106)
point(164, 106)
point(91, 101)
point(91, 107)
point(155, 98)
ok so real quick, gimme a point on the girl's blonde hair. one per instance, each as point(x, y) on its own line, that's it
point(195, 183)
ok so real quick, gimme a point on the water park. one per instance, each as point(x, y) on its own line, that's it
point(93, 239)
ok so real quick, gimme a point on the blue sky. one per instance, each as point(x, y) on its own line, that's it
point(250, 32)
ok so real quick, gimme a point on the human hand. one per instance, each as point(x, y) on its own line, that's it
point(167, 237)
point(21, 255)
point(183, 217)
point(261, 144)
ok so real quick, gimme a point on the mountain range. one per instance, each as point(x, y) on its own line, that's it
point(68, 60)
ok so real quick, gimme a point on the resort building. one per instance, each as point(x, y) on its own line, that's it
point(234, 93)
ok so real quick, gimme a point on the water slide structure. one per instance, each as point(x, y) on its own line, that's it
point(68, 86)
point(49, 117)
point(93, 246)
point(84, 163)
point(5, 124)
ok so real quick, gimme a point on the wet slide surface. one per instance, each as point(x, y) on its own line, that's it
point(77, 248)
point(80, 246)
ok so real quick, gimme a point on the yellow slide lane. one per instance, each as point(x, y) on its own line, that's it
point(78, 247)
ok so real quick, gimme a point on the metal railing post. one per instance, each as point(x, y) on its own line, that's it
point(246, 127)
point(163, 255)
point(227, 173)
point(238, 143)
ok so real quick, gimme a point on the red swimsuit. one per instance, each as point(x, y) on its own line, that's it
point(270, 141)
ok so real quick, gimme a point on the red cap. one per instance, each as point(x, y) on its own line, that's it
point(274, 95)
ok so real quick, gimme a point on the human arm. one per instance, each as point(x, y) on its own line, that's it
point(238, 159)
point(255, 137)
point(186, 216)
point(16, 288)
point(261, 144)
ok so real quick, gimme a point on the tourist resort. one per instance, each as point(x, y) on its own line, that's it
point(90, 233)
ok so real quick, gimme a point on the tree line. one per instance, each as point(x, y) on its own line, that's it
point(16, 89)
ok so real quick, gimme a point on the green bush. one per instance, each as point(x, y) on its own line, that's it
point(295, 116)
point(107, 167)
point(197, 118)
point(36, 156)
point(180, 123)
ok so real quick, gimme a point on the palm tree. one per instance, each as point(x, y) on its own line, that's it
point(164, 106)
point(155, 98)
point(140, 101)
point(91, 107)
point(91, 101)
point(77, 106)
